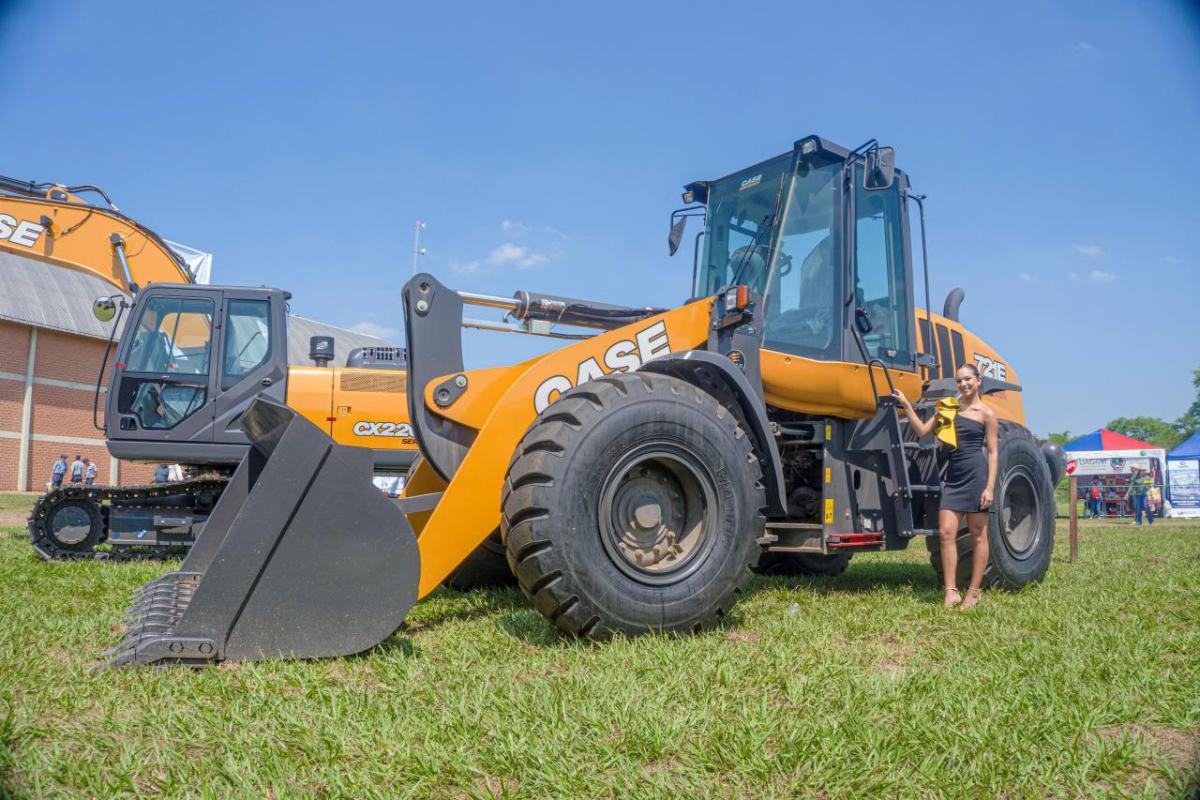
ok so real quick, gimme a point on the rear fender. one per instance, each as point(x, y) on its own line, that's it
point(469, 510)
point(721, 378)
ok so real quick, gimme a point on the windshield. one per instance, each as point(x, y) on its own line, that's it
point(737, 242)
point(758, 220)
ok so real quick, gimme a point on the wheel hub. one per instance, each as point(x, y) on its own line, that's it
point(1019, 513)
point(653, 514)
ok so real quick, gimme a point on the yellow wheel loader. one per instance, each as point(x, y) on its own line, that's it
point(640, 473)
point(191, 357)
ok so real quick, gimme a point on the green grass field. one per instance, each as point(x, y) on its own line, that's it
point(858, 686)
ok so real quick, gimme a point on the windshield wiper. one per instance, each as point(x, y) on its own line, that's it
point(749, 251)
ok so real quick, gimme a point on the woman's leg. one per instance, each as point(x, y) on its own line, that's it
point(949, 523)
point(977, 525)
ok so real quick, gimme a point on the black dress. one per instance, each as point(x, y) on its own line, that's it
point(966, 474)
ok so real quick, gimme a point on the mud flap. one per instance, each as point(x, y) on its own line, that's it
point(301, 558)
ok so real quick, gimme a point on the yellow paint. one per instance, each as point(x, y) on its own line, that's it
point(373, 397)
point(829, 475)
point(422, 479)
point(78, 239)
point(829, 388)
point(828, 510)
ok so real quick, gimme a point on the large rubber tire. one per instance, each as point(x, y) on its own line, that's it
point(75, 525)
point(829, 566)
point(600, 451)
point(486, 568)
point(1021, 528)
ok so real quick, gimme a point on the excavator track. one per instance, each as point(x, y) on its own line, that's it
point(93, 504)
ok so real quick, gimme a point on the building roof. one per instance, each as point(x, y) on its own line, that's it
point(1104, 439)
point(59, 298)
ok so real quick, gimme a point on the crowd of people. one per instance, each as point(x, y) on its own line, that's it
point(82, 470)
point(1140, 497)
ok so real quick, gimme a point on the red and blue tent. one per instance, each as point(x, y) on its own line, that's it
point(1104, 439)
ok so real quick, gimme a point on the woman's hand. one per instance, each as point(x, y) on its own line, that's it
point(899, 396)
point(985, 500)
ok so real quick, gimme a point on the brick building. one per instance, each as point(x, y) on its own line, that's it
point(50, 352)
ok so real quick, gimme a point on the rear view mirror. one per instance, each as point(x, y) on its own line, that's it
point(104, 309)
point(881, 169)
point(676, 234)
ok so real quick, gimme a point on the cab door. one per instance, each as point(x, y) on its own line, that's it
point(252, 357)
point(163, 385)
point(883, 293)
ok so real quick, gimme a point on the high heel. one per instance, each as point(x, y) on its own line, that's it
point(972, 599)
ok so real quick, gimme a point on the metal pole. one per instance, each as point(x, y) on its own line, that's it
point(1074, 518)
point(417, 251)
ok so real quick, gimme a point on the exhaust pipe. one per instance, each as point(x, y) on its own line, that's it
point(302, 557)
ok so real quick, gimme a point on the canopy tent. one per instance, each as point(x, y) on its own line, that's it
point(1183, 478)
point(1108, 453)
point(1104, 439)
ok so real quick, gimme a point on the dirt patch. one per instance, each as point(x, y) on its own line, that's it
point(493, 786)
point(661, 766)
point(1156, 560)
point(1179, 748)
point(741, 636)
point(10, 518)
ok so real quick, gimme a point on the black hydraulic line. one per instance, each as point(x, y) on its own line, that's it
point(103, 364)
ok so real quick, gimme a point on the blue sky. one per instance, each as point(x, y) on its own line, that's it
point(545, 145)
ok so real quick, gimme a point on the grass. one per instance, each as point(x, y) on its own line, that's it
point(859, 686)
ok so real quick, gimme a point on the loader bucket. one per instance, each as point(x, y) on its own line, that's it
point(301, 558)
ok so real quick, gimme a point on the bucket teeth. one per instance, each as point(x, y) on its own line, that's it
point(151, 625)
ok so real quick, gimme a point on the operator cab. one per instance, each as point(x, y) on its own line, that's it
point(820, 233)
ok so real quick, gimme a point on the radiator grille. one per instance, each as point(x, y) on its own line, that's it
point(351, 382)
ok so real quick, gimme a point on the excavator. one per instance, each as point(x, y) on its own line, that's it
point(172, 400)
point(641, 472)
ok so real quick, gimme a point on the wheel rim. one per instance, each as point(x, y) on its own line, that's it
point(657, 513)
point(70, 525)
point(1020, 513)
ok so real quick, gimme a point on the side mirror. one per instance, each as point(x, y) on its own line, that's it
point(676, 234)
point(104, 309)
point(881, 169)
point(862, 319)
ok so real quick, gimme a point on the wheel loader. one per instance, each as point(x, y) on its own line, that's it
point(641, 472)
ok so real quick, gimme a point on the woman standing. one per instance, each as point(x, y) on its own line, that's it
point(970, 478)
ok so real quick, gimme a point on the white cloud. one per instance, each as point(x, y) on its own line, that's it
point(375, 329)
point(1084, 47)
point(1025, 276)
point(1102, 276)
point(520, 229)
point(1072, 276)
point(1089, 250)
point(1172, 260)
point(518, 255)
point(509, 254)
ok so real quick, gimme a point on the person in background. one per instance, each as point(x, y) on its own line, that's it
point(60, 470)
point(1139, 487)
point(1094, 493)
point(89, 474)
point(77, 469)
point(162, 473)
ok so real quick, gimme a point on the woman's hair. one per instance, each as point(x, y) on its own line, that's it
point(971, 367)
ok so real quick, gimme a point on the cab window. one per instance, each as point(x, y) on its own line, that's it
point(881, 288)
point(247, 339)
point(173, 336)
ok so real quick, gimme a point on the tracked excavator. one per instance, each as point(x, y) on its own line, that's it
point(641, 472)
point(189, 361)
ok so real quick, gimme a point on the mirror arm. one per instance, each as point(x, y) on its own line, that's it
point(919, 199)
point(104, 364)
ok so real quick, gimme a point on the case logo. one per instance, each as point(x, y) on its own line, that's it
point(23, 232)
point(623, 356)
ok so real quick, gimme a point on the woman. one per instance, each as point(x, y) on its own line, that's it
point(970, 479)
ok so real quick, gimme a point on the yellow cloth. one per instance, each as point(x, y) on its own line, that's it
point(943, 421)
